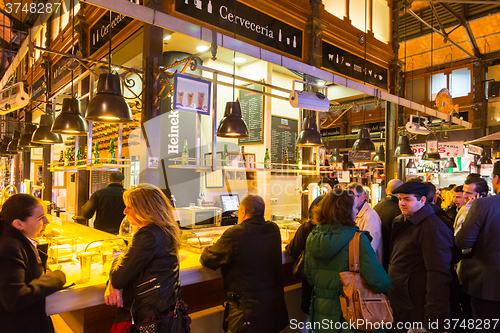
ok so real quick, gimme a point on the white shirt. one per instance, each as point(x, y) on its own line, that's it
point(368, 219)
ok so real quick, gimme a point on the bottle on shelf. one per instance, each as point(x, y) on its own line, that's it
point(224, 156)
point(185, 153)
point(72, 156)
point(285, 160)
point(243, 157)
point(95, 154)
point(266, 160)
point(79, 157)
point(67, 157)
point(298, 161)
point(112, 153)
point(61, 159)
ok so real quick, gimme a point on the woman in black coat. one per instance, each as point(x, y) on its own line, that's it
point(148, 271)
point(25, 282)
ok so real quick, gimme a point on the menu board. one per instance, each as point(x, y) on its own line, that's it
point(283, 137)
point(252, 106)
point(98, 180)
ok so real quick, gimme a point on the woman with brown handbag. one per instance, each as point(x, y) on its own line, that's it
point(327, 256)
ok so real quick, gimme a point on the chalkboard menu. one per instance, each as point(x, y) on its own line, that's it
point(252, 106)
point(99, 179)
point(283, 137)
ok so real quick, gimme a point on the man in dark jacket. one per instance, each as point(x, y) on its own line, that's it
point(250, 257)
point(419, 267)
point(387, 210)
point(458, 202)
point(479, 272)
point(108, 202)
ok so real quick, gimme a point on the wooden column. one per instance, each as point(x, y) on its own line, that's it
point(46, 174)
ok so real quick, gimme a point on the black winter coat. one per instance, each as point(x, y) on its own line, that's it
point(387, 210)
point(250, 257)
point(108, 205)
point(24, 284)
point(419, 269)
point(149, 267)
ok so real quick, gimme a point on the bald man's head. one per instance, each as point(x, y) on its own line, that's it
point(392, 185)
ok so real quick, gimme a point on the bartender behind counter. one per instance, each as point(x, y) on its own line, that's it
point(108, 202)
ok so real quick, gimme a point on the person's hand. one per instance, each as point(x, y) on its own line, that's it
point(113, 296)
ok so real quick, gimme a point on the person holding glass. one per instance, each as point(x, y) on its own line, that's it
point(147, 273)
point(328, 254)
point(25, 280)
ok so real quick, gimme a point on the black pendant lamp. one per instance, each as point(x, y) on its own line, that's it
point(309, 136)
point(70, 120)
point(232, 125)
point(3, 148)
point(12, 147)
point(379, 155)
point(485, 159)
point(431, 151)
point(335, 158)
point(364, 143)
point(403, 149)
point(25, 140)
point(109, 106)
point(450, 163)
point(411, 164)
point(43, 134)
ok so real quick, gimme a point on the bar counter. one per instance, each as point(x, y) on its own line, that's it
point(82, 305)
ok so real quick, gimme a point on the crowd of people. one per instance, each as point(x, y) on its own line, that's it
point(438, 267)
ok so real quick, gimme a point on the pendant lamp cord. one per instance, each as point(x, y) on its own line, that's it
point(364, 62)
point(73, 46)
point(110, 35)
point(404, 107)
point(234, 56)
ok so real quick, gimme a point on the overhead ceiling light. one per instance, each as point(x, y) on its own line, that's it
point(431, 150)
point(450, 163)
point(239, 60)
point(12, 146)
point(70, 120)
point(485, 159)
point(309, 136)
point(25, 140)
point(335, 158)
point(232, 125)
point(321, 83)
point(3, 147)
point(379, 155)
point(201, 48)
point(43, 134)
point(167, 37)
point(364, 143)
point(108, 105)
point(411, 164)
point(403, 149)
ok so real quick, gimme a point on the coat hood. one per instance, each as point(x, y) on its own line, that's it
point(327, 240)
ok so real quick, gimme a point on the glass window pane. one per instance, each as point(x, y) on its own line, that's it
point(55, 24)
point(415, 91)
point(438, 82)
point(460, 82)
point(336, 7)
point(66, 12)
point(357, 14)
point(381, 20)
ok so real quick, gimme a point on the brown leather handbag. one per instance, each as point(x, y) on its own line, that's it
point(362, 306)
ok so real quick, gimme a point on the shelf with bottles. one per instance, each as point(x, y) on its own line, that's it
point(106, 164)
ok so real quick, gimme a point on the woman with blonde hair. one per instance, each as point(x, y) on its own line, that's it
point(145, 277)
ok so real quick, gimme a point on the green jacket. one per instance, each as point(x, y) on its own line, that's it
point(327, 254)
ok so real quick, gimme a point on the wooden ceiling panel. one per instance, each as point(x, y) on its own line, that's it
point(485, 26)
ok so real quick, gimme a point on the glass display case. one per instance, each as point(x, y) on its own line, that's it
point(198, 239)
point(288, 228)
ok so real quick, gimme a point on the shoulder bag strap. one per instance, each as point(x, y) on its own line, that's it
point(354, 253)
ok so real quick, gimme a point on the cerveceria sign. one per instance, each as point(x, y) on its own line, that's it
point(341, 61)
point(245, 21)
point(99, 32)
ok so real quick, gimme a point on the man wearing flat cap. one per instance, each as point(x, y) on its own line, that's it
point(419, 266)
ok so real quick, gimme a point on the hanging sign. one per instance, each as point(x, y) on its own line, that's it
point(59, 70)
point(99, 32)
point(240, 19)
point(329, 134)
point(343, 62)
point(445, 149)
point(192, 94)
point(475, 150)
point(360, 157)
point(38, 88)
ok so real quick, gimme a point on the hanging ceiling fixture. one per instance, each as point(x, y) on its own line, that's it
point(108, 105)
point(3, 148)
point(485, 159)
point(363, 144)
point(12, 147)
point(450, 163)
point(70, 120)
point(411, 164)
point(335, 158)
point(25, 140)
point(379, 155)
point(403, 149)
point(431, 150)
point(309, 136)
point(232, 125)
point(43, 134)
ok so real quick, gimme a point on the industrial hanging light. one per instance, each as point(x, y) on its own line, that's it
point(335, 158)
point(379, 155)
point(43, 134)
point(403, 149)
point(485, 159)
point(309, 136)
point(108, 105)
point(450, 163)
point(232, 125)
point(411, 164)
point(25, 140)
point(364, 143)
point(3, 148)
point(12, 147)
point(431, 150)
point(70, 120)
